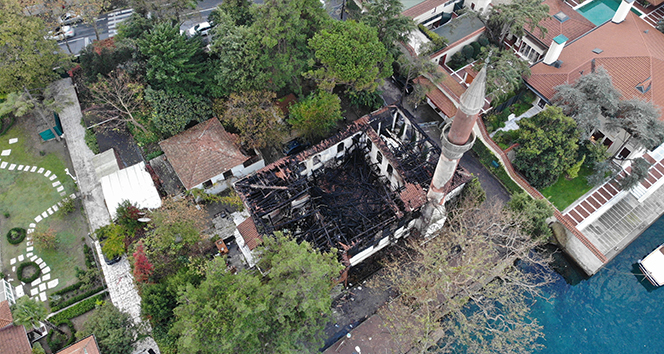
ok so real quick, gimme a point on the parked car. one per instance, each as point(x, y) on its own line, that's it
point(60, 33)
point(202, 28)
point(295, 146)
point(70, 19)
point(400, 81)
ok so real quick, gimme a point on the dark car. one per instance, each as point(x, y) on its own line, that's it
point(400, 81)
point(295, 146)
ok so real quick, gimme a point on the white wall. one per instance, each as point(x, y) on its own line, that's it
point(457, 48)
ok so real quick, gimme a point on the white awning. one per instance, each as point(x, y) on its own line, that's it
point(134, 184)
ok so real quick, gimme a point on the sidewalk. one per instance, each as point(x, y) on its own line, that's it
point(118, 276)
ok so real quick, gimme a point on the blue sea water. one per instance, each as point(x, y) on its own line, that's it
point(614, 311)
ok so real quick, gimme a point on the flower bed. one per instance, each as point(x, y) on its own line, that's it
point(28, 279)
point(16, 235)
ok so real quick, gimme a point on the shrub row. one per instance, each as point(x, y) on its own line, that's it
point(75, 299)
point(486, 157)
point(89, 257)
point(72, 287)
point(78, 309)
point(16, 235)
point(30, 279)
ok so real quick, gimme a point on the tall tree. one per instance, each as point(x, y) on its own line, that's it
point(247, 312)
point(349, 53)
point(171, 112)
point(588, 99)
point(315, 116)
point(28, 312)
point(240, 12)
point(43, 103)
point(638, 173)
point(173, 61)
point(548, 144)
point(533, 214)
point(462, 291)
point(119, 98)
point(27, 59)
point(164, 9)
point(514, 17)
point(640, 121)
point(254, 114)
point(392, 26)
point(112, 328)
point(505, 73)
point(410, 67)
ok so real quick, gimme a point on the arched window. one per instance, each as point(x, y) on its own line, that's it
point(379, 157)
point(340, 147)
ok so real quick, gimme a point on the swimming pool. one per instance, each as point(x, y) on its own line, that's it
point(599, 11)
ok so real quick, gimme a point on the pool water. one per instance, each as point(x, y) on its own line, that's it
point(599, 11)
point(614, 311)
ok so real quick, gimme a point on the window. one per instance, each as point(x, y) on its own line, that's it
point(207, 184)
point(379, 157)
point(228, 174)
point(597, 136)
point(624, 153)
point(316, 160)
point(607, 142)
point(340, 147)
point(390, 170)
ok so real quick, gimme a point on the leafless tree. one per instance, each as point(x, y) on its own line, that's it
point(118, 98)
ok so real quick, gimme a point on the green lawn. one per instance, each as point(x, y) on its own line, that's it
point(24, 195)
point(565, 192)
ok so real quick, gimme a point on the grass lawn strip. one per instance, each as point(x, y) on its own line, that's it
point(565, 192)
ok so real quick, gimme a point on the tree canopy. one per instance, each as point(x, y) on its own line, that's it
point(247, 312)
point(548, 144)
point(392, 26)
point(316, 115)
point(254, 114)
point(112, 328)
point(640, 120)
point(505, 73)
point(514, 18)
point(349, 53)
point(172, 111)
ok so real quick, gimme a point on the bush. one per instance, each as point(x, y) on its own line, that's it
point(483, 41)
point(437, 42)
point(476, 49)
point(38, 349)
point(76, 299)
point(89, 257)
point(16, 235)
point(127, 216)
point(57, 340)
point(153, 154)
point(371, 100)
point(45, 240)
point(68, 205)
point(114, 245)
point(77, 310)
point(91, 141)
point(468, 52)
point(457, 61)
point(21, 269)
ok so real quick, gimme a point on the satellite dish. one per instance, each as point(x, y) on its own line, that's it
point(144, 219)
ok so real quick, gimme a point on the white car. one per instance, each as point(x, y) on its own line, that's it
point(60, 33)
point(202, 28)
point(70, 19)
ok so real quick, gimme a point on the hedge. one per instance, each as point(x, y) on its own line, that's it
point(78, 309)
point(16, 235)
point(19, 272)
point(69, 288)
point(89, 257)
point(76, 299)
point(55, 346)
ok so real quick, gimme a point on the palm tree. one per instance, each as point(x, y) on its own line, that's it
point(31, 312)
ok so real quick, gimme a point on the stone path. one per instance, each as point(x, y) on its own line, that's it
point(40, 285)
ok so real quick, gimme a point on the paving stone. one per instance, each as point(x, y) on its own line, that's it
point(21, 258)
point(56, 183)
point(29, 249)
point(34, 291)
point(73, 196)
point(33, 169)
point(32, 225)
point(42, 287)
point(3, 164)
point(6, 152)
point(12, 261)
point(63, 194)
point(20, 167)
point(30, 231)
point(53, 177)
point(40, 170)
point(13, 140)
point(60, 189)
point(42, 265)
point(39, 261)
point(53, 283)
point(50, 211)
point(32, 258)
point(44, 215)
point(27, 168)
point(46, 269)
point(47, 173)
point(29, 243)
point(46, 277)
point(19, 291)
point(55, 207)
point(42, 297)
point(35, 282)
point(14, 269)
point(12, 167)
point(38, 218)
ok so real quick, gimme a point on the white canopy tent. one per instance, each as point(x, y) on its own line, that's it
point(134, 184)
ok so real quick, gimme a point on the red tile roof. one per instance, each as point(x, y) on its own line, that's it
point(423, 7)
point(5, 314)
point(87, 345)
point(249, 233)
point(573, 28)
point(437, 97)
point(413, 196)
point(203, 152)
point(632, 52)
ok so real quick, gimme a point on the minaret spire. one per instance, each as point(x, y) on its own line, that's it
point(457, 138)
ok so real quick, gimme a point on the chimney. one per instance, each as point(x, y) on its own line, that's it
point(623, 10)
point(555, 49)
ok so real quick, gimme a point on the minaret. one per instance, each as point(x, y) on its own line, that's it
point(457, 138)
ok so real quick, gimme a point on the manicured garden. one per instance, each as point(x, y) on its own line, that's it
point(565, 191)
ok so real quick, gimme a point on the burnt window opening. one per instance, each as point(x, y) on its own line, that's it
point(607, 142)
point(390, 169)
point(228, 174)
point(597, 136)
point(369, 146)
point(624, 153)
point(340, 147)
point(379, 157)
point(207, 184)
point(316, 160)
